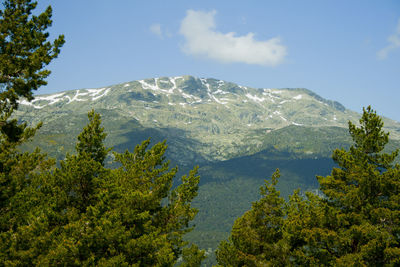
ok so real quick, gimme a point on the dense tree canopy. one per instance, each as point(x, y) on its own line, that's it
point(354, 222)
point(80, 213)
point(24, 52)
point(83, 213)
point(256, 236)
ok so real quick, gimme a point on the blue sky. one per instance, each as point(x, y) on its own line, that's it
point(348, 51)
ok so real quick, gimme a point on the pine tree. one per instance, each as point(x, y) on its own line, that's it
point(24, 52)
point(256, 237)
point(356, 222)
point(155, 216)
point(90, 140)
point(365, 190)
point(88, 214)
point(80, 173)
point(24, 49)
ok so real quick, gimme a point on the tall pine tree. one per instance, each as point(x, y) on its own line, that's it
point(356, 222)
point(24, 52)
point(365, 190)
point(256, 237)
point(24, 49)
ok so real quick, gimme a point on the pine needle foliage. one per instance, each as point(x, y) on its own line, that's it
point(25, 49)
point(83, 213)
point(24, 52)
point(355, 221)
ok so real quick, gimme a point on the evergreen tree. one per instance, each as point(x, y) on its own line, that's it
point(365, 190)
point(355, 223)
point(24, 49)
point(90, 140)
point(91, 215)
point(24, 52)
point(80, 172)
point(256, 237)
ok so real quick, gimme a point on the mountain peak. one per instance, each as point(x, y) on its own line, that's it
point(193, 89)
point(214, 112)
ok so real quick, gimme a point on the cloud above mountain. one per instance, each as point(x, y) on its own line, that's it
point(394, 43)
point(156, 29)
point(202, 39)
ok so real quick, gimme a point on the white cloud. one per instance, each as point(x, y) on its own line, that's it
point(156, 29)
point(202, 39)
point(394, 43)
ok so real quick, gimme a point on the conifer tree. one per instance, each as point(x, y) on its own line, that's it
point(91, 215)
point(365, 190)
point(90, 140)
point(24, 49)
point(24, 52)
point(80, 173)
point(256, 237)
point(355, 222)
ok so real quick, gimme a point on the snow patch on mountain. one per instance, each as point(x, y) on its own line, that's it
point(27, 103)
point(52, 98)
point(210, 95)
point(298, 97)
point(105, 92)
point(79, 96)
point(219, 91)
point(155, 87)
point(76, 97)
point(255, 98)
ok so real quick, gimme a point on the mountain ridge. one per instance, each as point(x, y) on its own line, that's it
point(221, 116)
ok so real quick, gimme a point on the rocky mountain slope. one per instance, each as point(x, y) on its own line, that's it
point(216, 119)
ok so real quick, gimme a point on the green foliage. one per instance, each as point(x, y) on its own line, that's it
point(91, 139)
point(82, 213)
point(356, 222)
point(24, 49)
point(366, 192)
point(256, 236)
point(24, 52)
point(192, 256)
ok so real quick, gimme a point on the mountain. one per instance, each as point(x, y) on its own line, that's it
point(237, 134)
point(218, 120)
